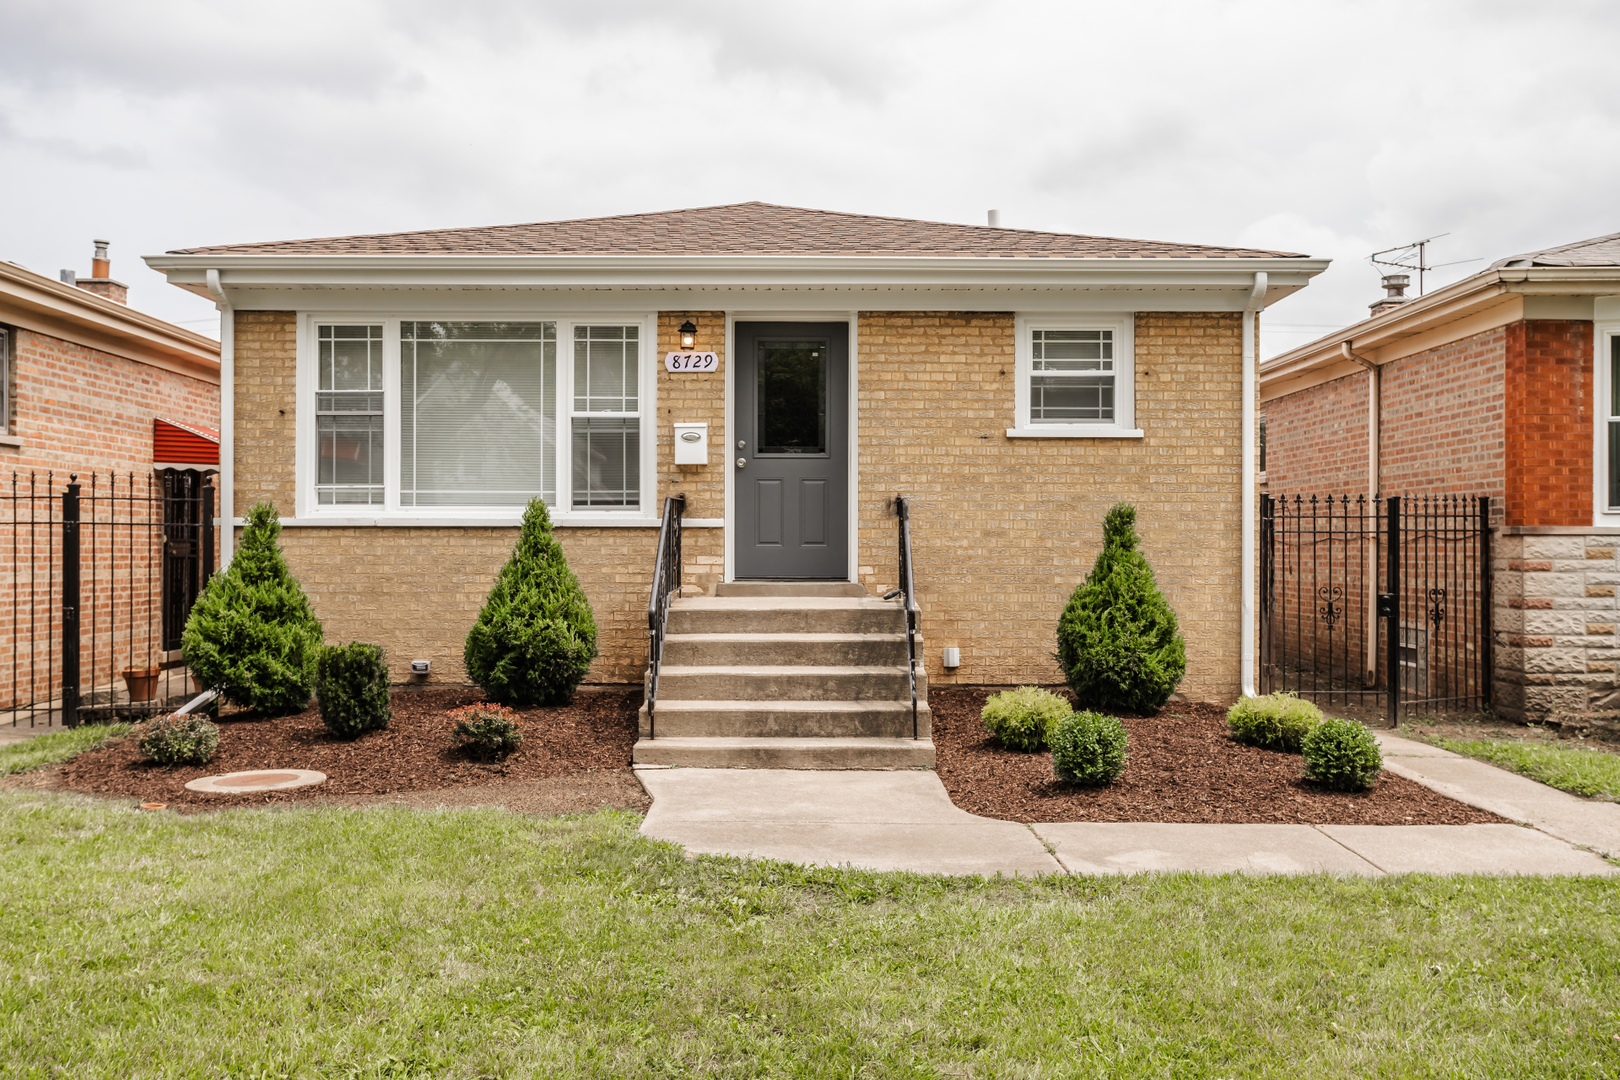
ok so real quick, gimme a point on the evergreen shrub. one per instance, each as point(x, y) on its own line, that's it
point(1088, 748)
point(490, 731)
point(1019, 719)
point(1342, 755)
point(1118, 642)
point(351, 684)
point(252, 633)
point(177, 739)
point(536, 636)
point(1274, 722)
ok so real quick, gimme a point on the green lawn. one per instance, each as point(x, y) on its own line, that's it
point(391, 943)
point(1569, 767)
point(57, 746)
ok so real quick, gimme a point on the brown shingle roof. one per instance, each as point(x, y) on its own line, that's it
point(751, 228)
point(1598, 251)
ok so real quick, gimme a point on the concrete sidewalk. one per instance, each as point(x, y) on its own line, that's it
point(906, 821)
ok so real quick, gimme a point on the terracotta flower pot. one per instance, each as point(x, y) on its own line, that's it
point(142, 683)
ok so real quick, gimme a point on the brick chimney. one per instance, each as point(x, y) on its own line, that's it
point(100, 280)
point(1394, 294)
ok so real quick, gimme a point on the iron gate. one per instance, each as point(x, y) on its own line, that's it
point(1353, 588)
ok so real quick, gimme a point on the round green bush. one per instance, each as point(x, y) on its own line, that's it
point(1342, 755)
point(1019, 719)
point(177, 739)
point(535, 637)
point(1274, 722)
point(489, 731)
point(351, 684)
point(252, 633)
point(1087, 748)
point(1118, 641)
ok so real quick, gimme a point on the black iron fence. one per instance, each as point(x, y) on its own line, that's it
point(101, 575)
point(1353, 588)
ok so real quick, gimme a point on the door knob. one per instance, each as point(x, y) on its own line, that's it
point(742, 462)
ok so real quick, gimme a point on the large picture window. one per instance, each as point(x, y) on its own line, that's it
point(471, 418)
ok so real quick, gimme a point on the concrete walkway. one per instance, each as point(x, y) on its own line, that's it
point(906, 821)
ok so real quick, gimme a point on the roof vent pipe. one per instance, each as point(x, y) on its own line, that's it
point(100, 264)
point(995, 219)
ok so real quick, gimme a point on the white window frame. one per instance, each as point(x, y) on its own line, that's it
point(307, 509)
point(1605, 335)
point(1124, 339)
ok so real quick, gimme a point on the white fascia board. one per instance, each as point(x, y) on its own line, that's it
point(472, 271)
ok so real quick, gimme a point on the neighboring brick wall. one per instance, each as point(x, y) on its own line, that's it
point(1004, 529)
point(1316, 439)
point(1441, 429)
point(1555, 646)
point(1549, 422)
point(82, 410)
point(266, 368)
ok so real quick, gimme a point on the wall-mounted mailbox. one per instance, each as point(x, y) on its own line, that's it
point(691, 444)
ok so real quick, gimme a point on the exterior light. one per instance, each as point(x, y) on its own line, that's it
point(688, 335)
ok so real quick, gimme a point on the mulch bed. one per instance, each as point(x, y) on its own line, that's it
point(583, 747)
point(1182, 766)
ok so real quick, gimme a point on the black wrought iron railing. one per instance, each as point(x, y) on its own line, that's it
point(666, 583)
point(907, 589)
point(100, 574)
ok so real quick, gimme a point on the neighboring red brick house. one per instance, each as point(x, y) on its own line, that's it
point(1486, 387)
point(89, 386)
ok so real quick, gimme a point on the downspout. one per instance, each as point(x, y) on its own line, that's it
point(1251, 436)
point(227, 419)
point(1375, 440)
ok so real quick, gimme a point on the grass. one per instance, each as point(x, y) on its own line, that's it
point(56, 747)
point(1576, 769)
point(472, 943)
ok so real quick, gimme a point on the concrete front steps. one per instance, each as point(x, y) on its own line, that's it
point(787, 675)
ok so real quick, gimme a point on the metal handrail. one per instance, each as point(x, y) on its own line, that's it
point(908, 589)
point(666, 581)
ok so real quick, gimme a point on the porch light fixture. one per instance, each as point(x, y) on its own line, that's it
point(688, 335)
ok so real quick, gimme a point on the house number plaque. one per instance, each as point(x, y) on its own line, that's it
point(691, 361)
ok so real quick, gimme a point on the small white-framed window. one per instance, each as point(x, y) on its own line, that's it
point(1607, 449)
point(1075, 378)
point(349, 415)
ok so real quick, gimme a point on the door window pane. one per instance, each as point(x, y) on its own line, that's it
point(349, 416)
point(792, 398)
point(478, 413)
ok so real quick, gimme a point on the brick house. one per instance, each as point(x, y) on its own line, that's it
point(93, 388)
point(399, 397)
point(1488, 387)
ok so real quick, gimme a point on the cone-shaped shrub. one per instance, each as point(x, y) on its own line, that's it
point(1118, 643)
point(536, 636)
point(251, 632)
point(351, 685)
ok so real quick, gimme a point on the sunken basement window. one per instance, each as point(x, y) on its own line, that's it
point(606, 419)
point(478, 413)
point(1071, 377)
point(349, 416)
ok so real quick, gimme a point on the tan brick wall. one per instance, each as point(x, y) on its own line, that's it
point(266, 409)
point(1005, 528)
point(688, 397)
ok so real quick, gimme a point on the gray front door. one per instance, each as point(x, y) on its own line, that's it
point(790, 456)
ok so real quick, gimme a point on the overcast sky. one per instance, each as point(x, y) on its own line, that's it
point(1328, 128)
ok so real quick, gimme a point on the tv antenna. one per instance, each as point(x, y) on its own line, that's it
point(1414, 256)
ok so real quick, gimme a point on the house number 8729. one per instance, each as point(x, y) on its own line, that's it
point(691, 361)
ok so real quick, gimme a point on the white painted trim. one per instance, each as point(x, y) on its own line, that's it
point(1602, 332)
point(1249, 514)
point(853, 388)
point(309, 511)
point(512, 521)
point(227, 411)
point(728, 571)
point(1075, 431)
point(1123, 325)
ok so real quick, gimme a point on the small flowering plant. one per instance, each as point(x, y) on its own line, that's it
point(490, 731)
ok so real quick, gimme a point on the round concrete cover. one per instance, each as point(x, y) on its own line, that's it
point(259, 780)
